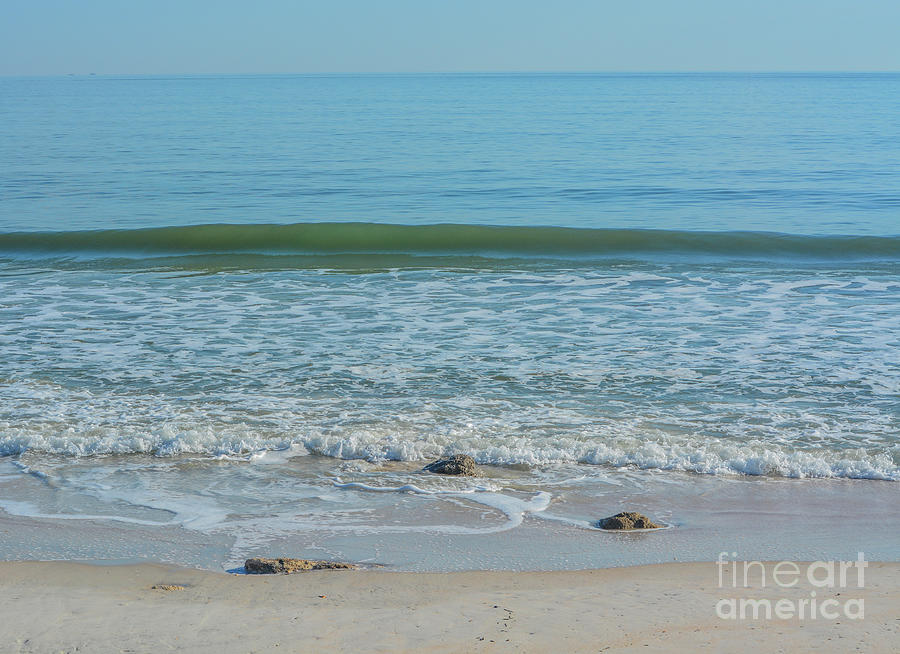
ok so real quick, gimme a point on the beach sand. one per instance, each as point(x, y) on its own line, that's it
point(69, 607)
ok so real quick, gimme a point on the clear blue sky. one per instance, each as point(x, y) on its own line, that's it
point(227, 36)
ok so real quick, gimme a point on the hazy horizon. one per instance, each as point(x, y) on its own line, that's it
point(352, 73)
point(54, 37)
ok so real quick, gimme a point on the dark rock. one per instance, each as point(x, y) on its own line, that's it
point(628, 520)
point(458, 464)
point(287, 566)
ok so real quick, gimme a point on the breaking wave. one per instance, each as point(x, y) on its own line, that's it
point(444, 240)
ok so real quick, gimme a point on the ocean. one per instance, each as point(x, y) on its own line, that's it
point(238, 314)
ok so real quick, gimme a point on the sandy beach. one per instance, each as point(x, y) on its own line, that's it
point(69, 607)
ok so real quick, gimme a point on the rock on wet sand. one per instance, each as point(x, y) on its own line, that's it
point(627, 520)
point(261, 566)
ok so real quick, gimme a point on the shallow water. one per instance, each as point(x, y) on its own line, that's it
point(215, 513)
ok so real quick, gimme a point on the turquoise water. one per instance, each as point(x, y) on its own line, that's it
point(804, 154)
point(567, 276)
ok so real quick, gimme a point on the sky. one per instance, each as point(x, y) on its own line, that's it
point(52, 37)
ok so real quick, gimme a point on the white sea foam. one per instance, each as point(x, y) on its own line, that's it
point(29, 510)
point(654, 451)
point(412, 488)
point(716, 370)
point(513, 507)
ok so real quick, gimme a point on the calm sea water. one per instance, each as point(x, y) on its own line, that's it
point(572, 276)
point(806, 154)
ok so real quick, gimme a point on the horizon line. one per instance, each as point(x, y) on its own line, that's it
point(464, 72)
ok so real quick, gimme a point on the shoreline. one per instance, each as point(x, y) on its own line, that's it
point(666, 607)
point(517, 527)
